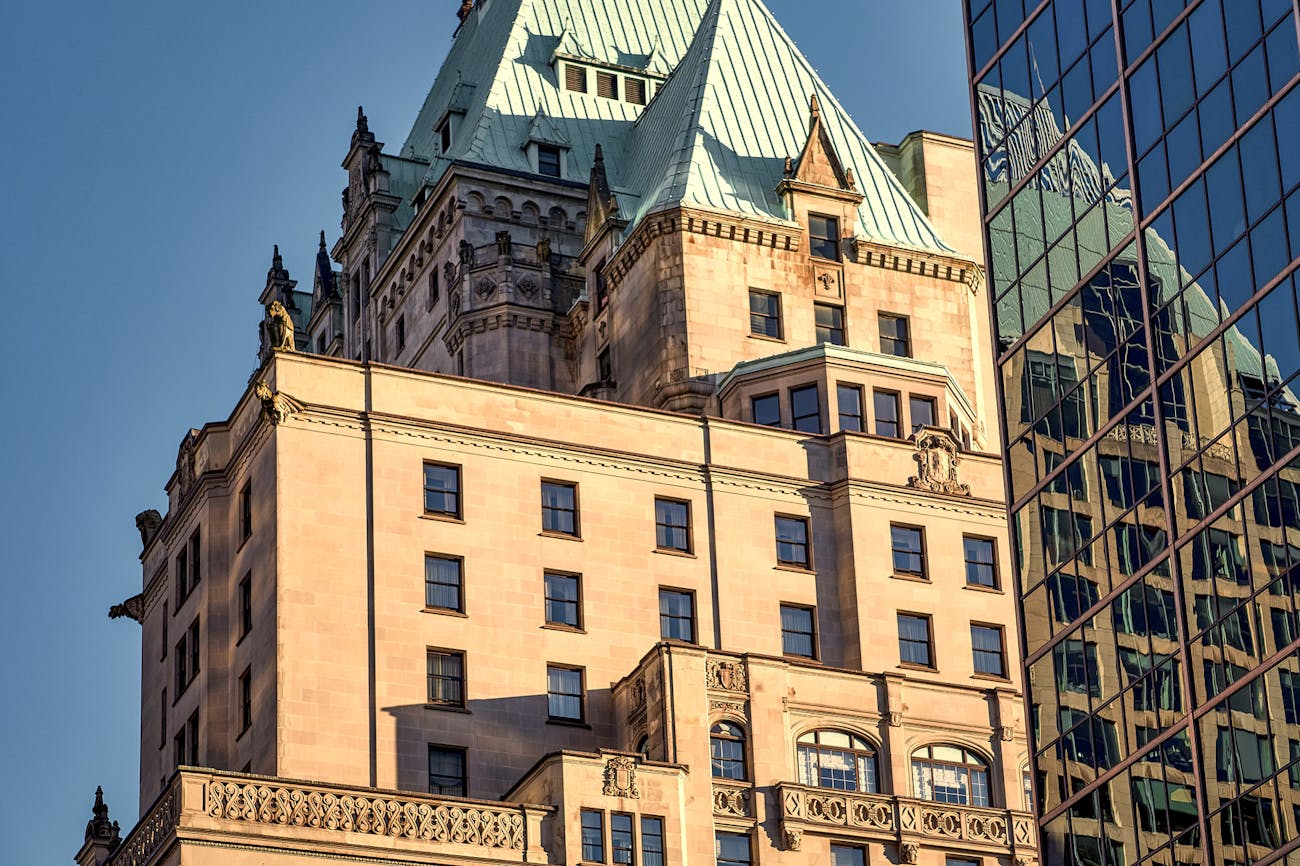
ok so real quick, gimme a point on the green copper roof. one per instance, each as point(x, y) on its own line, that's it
point(715, 135)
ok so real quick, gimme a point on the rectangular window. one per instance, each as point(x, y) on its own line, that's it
point(166, 641)
point(575, 78)
point(805, 409)
point(767, 410)
point(548, 160)
point(634, 90)
point(193, 640)
point(246, 511)
point(192, 739)
point(196, 560)
point(560, 507)
point(981, 562)
point(652, 841)
point(922, 409)
point(895, 335)
point(968, 861)
point(765, 314)
point(246, 700)
point(914, 647)
point(824, 236)
point(447, 771)
point(847, 855)
point(399, 332)
point(677, 615)
point(593, 836)
point(182, 577)
point(246, 605)
point(732, 849)
point(798, 631)
point(908, 546)
point(442, 490)
point(446, 678)
point(792, 542)
point(673, 525)
point(987, 647)
point(622, 844)
point(444, 135)
point(604, 367)
point(563, 599)
point(432, 297)
point(180, 666)
point(564, 693)
point(830, 324)
point(607, 85)
point(849, 398)
point(885, 404)
point(444, 583)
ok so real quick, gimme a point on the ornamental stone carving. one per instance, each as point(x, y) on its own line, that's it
point(186, 463)
point(895, 719)
point(453, 303)
point(278, 328)
point(503, 244)
point(937, 458)
point(727, 676)
point(528, 287)
point(636, 698)
point(732, 802)
point(466, 250)
point(148, 522)
point(149, 835)
point(732, 708)
point(1005, 733)
point(485, 288)
point(132, 608)
point(620, 777)
point(483, 826)
point(909, 852)
point(276, 407)
point(448, 273)
point(544, 251)
point(793, 839)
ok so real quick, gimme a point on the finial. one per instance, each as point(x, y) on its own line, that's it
point(815, 107)
point(276, 261)
point(322, 240)
point(100, 810)
point(100, 827)
point(466, 7)
point(600, 154)
point(363, 124)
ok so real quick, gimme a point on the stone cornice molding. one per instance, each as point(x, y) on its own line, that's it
point(901, 494)
point(953, 268)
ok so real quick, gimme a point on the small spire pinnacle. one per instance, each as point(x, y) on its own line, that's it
point(466, 7)
point(363, 124)
point(322, 240)
point(277, 263)
point(100, 810)
point(815, 107)
point(600, 154)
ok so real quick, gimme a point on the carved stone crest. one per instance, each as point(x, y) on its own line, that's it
point(909, 852)
point(727, 676)
point(895, 719)
point(793, 839)
point(528, 287)
point(485, 288)
point(147, 522)
point(937, 458)
point(1005, 734)
point(620, 777)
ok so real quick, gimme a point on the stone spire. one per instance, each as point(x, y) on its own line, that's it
point(362, 133)
point(102, 835)
point(325, 287)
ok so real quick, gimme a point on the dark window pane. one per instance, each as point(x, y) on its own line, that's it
point(895, 338)
point(765, 314)
point(672, 525)
point(908, 546)
point(548, 160)
point(676, 615)
point(797, 637)
point(593, 836)
point(914, 640)
point(986, 645)
point(922, 409)
point(442, 583)
point(824, 234)
point(830, 324)
point(446, 772)
point(562, 606)
point(559, 508)
point(442, 489)
point(564, 693)
point(792, 542)
point(849, 398)
point(767, 410)
point(886, 408)
point(981, 566)
point(446, 678)
point(805, 409)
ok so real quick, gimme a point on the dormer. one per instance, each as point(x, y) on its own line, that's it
point(579, 71)
point(819, 192)
point(448, 127)
point(547, 148)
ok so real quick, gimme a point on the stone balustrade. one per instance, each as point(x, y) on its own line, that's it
point(887, 818)
point(197, 802)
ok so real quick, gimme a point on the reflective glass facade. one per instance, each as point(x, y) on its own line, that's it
point(1140, 163)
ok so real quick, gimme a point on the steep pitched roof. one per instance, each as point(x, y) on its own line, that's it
point(719, 131)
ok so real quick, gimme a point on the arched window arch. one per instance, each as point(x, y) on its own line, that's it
point(839, 760)
point(643, 747)
point(950, 774)
point(727, 749)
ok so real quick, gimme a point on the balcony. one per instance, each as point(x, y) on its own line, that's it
point(204, 807)
point(904, 821)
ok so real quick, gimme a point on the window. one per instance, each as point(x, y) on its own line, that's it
point(575, 78)
point(950, 774)
point(607, 85)
point(805, 409)
point(981, 562)
point(434, 292)
point(162, 721)
point(677, 615)
point(447, 771)
point(922, 409)
point(560, 507)
point(886, 406)
point(548, 160)
point(166, 641)
point(604, 368)
point(246, 700)
point(186, 660)
point(185, 745)
point(246, 511)
point(914, 647)
point(399, 333)
point(792, 542)
point(564, 693)
point(727, 748)
point(563, 600)
point(732, 849)
point(767, 410)
point(188, 571)
point(987, 647)
point(850, 401)
point(621, 841)
point(798, 631)
point(830, 324)
point(824, 236)
point(847, 855)
point(444, 135)
point(652, 841)
point(634, 90)
point(673, 525)
point(442, 490)
point(246, 605)
point(443, 583)
point(765, 314)
point(446, 678)
point(895, 336)
point(908, 545)
point(602, 285)
point(593, 836)
point(969, 861)
point(838, 760)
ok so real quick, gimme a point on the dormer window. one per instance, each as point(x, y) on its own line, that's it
point(575, 78)
point(824, 237)
point(634, 90)
point(607, 85)
point(548, 160)
point(444, 134)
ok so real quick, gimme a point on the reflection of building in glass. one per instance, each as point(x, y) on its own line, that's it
point(1142, 223)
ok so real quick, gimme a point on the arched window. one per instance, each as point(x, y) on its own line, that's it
point(643, 747)
point(950, 774)
point(727, 747)
point(839, 760)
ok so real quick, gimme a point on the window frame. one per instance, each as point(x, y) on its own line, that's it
point(572, 486)
point(614, 838)
point(866, 782)
point(806, 522)
point(905, 340)
point(778, 318)
point(896, 398)
point(775, 397)
point(856, 391)
point(795, 419)
point(581, 694)
point(245, 512)
point(1002, 650)
point(599, 816)
point(547, 574)
point(717, 733)
point(550, 150)
point(460, 583)
point(926, 400)
point(689, 595)
point(245, 700)
point(430, 702)
point(837, 312)
point(984, 765)
point(830, 241)
point(245, 599)
point(811, 610)
point(689, 549)
point(461, 752)
point(399, 333)
point(648, 857)
point(996, 585)
point(928, 619)
point(747, 835)
point(904, 574)
point(848, 846)
point(457, 514)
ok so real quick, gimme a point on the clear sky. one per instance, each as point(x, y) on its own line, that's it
point(152, 152)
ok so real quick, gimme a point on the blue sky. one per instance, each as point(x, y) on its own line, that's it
point(153, 152)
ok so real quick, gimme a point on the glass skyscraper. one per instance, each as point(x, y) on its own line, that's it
point(1140, 162)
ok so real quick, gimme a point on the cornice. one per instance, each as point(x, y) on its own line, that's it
point(923, 263)
point(900, 494)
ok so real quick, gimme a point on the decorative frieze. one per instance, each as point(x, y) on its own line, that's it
point(726, 675)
